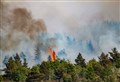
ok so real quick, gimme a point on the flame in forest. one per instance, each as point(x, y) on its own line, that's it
point(53, 55)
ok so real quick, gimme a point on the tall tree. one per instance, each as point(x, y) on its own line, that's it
point(114, 54)
point(115, 57)
point(104, 59)
point(58, 74)
point(25, 62)
point(20, 74)
point(49, 58)
point(44, 69)
point(15, 71)
point(37, 53)
point(11, 66)
point(80, 60)
point(17, 60)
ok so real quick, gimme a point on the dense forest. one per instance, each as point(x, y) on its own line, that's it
point(105, 69)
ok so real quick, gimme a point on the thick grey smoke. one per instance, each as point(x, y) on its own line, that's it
point(16, 24)
point(20, 32)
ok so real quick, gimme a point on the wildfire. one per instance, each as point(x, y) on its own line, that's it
point(53, 55)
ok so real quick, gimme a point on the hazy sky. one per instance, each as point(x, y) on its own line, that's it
point(59, 15)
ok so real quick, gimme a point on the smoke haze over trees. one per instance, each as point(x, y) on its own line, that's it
point(80, 34)
point(68, 28)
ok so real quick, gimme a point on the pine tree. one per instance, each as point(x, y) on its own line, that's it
point(11, 66)
point(104, 60)
point(80, 60)
point(15, 71)
point(49, 58)
point(17, 60)
point(37, 53)
point(114, 54)
point(115, 57)
point(25, 62)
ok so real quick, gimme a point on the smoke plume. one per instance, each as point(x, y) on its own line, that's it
point(16, 23)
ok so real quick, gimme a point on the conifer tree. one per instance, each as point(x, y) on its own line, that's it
point(80, 60)
point(104, 60)
point(25, 62)
point(37, 53)
point(17, 60)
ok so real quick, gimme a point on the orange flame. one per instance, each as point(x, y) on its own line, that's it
point(53, 55)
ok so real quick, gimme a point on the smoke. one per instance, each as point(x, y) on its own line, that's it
point(23, 22)
point(20, 31)
point(8, 42)
point(62, 54)
point(15, 25)
point(68, 28)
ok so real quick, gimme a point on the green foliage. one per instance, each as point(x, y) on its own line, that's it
point(104, 60)
point(115, 57)
point(35, 77)
point(67, 78)
point(106, 69)
point(35, 69)
point(15, 71)
point(1, 78)
point(17, 60)
point(80, 60)
point(44, 68)
point(11, 66)
point(20, 74)
point(114, 54)
point(25, 62)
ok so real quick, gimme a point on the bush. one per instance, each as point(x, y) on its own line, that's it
point(67, 78)
point(1, 78)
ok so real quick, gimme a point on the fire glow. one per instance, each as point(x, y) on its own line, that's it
point(53, 55)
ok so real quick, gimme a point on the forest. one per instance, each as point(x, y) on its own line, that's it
point(104, 69)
